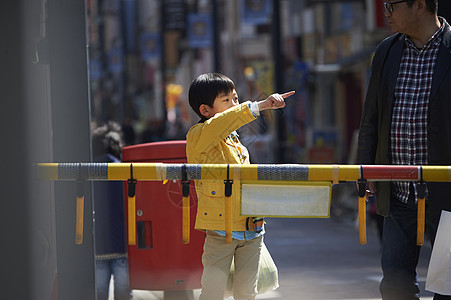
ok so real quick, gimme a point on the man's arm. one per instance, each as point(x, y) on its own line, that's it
point(369, 124)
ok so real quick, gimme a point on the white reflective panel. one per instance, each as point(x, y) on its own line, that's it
point(286, 199)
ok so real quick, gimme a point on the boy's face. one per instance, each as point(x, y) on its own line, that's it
point(222, 102)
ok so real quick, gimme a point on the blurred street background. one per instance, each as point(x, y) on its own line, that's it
point(143, 56)
point(69, 66)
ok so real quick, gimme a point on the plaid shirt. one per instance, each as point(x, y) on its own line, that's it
point(408, 133)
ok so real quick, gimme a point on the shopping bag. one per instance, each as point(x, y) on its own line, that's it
point(438, 279)
point(268, 278)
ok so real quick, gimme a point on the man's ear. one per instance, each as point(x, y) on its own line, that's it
point(205, 110)
point(421, 5)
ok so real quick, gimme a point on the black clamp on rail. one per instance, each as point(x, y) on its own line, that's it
point(421, 186)
point(131, 183)
point(362, 184)
point(362, 187)
point(421, 189)
point(185, 182)
point(228, 184)
point(82, 175)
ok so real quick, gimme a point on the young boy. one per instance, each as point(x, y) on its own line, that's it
point(214, 141)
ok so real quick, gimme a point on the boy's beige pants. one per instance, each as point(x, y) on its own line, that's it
point(217, 258)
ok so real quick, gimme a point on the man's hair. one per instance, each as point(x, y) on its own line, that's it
point(432, 5)
point(206, 87)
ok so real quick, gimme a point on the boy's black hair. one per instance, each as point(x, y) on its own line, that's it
point(206, 87)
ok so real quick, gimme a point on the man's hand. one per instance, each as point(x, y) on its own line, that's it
point(370, 190)
point(274, 101)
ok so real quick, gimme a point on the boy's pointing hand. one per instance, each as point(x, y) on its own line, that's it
point(274, 101)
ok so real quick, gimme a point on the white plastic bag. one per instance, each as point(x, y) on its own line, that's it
point(268, 278)
point(438, 279)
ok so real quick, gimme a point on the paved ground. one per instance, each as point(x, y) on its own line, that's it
point(321, 259)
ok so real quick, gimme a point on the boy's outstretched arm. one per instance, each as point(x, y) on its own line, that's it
point(274, 101)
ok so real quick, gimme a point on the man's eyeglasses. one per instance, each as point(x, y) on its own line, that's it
point(389, 5)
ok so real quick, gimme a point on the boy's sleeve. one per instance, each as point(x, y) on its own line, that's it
point(253, 106)
point(207, 135)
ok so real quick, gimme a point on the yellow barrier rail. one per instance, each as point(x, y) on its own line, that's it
point(263, 172)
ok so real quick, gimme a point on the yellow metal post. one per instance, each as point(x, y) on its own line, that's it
point(185, 206)
point(362, 211)
point(131, 220)
point(228, 219)
point(362, 220)
point(228, 207)
point(131, 208)
point(421, 219)
point(79, 212)
point(79, 220)
point(185, 220)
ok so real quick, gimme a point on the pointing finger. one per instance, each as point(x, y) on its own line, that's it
point(287, 94)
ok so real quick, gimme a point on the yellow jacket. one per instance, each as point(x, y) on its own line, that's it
point(211, 142)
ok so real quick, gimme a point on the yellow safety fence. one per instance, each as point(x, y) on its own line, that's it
point(133, 172)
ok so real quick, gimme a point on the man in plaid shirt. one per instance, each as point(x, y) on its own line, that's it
point(406, 121)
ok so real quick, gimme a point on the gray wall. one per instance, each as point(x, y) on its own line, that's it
point(44, 117)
